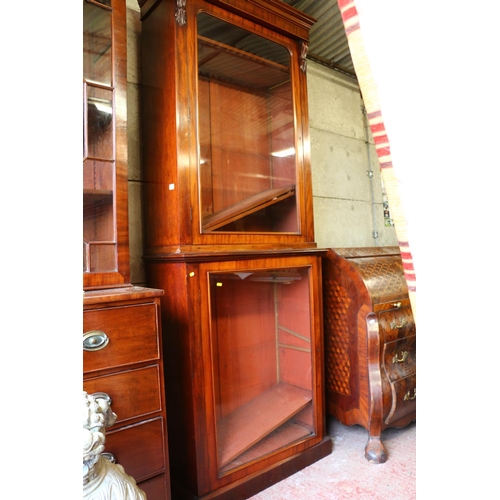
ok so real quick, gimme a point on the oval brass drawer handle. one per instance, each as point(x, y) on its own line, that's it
point(403, 357)
point(394, 325)
point(95, 340)
point(409, 397)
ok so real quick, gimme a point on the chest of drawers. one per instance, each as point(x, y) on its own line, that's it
point(122, 360)
point(370, 342)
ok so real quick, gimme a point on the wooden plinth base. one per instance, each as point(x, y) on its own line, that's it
point(251, 485)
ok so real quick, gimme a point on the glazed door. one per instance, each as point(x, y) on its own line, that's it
point(105, 219)
point(262, 344)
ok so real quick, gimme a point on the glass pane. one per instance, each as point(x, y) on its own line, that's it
point(261, 344)
point(98, 216)
point(97, 44)
point(98, 178)
point(99, 224)
point(247, 165)
point(99, 123)
point(101, 258)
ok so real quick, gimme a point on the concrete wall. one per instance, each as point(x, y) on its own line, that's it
point(348, 204)
point(137, 273)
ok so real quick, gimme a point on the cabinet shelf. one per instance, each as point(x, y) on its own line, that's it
point(97, 205)
point(255, 420)
point(247, 206)
point(289, 432)
point(97, 194)
point(231, 65)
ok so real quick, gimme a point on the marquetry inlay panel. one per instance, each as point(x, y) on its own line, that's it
point(336, 303)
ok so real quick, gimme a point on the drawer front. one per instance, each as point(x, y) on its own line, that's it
point(400, 358)
point(138, 448)
point(396, 323)
point(131, 332)
point(155, 488)
point(134, 393)
point(404, 398)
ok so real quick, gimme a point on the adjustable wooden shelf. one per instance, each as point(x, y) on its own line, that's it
point(246, 207)
point(237, 432)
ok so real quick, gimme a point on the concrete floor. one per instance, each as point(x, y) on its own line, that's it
point(347, 475)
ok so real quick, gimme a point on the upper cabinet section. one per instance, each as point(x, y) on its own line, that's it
point(105, 221)
point(225, 126)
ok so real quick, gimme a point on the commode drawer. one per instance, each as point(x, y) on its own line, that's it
point(134, 393)
point(138, 448)
point(119, 336)
point(400, 358)
point(404, 398)
point(396, 323)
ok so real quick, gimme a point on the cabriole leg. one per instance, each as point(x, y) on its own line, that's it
point(375, 451)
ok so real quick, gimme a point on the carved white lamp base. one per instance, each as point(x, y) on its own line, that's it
point(108, 481)
point(102, 479)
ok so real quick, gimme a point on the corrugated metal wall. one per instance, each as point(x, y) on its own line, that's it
point(328, 42)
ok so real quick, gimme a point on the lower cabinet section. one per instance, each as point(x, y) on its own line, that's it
point(123, 362)
point(370, 342)
point(243, 351)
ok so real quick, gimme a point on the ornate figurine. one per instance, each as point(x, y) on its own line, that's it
point(102, 479)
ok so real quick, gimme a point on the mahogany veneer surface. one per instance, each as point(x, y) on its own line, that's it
point(129, 369)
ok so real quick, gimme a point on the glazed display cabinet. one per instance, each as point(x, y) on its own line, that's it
point(229, 237)
point(105, 215)
point(122, 354)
